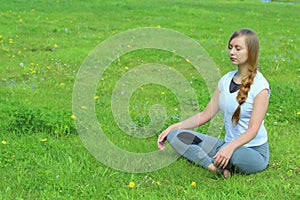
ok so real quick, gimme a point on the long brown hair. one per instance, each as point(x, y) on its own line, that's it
point(252, 44)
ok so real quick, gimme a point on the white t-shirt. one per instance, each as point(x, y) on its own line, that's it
point(228, 104)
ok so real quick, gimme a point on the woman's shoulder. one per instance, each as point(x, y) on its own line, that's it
point(229, 74)
point(260, 83)
point(260, 78)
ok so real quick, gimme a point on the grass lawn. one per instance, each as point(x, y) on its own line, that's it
point(44, 43)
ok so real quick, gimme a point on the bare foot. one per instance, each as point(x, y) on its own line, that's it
point(212, 168)
point(226, 174)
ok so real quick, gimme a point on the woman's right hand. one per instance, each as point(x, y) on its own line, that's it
point(162, 138)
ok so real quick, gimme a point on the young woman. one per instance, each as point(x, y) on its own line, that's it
point(242, 96)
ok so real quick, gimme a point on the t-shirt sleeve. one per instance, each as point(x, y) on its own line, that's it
point(260, 85)
point(220, 84)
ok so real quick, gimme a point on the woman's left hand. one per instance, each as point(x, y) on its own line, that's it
point(223, 156)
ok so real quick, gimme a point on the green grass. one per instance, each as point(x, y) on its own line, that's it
point(44, 43)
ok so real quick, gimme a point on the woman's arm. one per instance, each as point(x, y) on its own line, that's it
point(260, 106)
point(197, 120)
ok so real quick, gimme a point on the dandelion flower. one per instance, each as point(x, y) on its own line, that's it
point(83, 107)
point(10, 41)
point(162, 93)
point(158, 26)
point(62, 84)
point(96, 97)
point(44, 140)
point(187, 60)
point(129, 46)
point(298, 113)
point(193, 184)
point(55, 45)
point(131, 185)
point(158, 183)
point(73, 116)
point(4, 142)
point(126, 67)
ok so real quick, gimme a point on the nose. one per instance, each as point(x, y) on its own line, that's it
point(231, 51)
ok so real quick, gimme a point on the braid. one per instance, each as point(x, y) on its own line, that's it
point(252, 44)
point(243, 94)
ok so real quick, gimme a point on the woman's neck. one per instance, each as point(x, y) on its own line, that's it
point(242, 72)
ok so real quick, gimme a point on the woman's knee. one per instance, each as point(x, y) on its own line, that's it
point(172, 135)
point(247, 161)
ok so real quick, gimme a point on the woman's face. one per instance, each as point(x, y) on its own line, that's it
point(238, 51)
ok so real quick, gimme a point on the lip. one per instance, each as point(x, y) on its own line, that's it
point(232, 59)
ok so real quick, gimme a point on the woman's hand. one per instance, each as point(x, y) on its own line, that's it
point(162, 138)
point(223, 156)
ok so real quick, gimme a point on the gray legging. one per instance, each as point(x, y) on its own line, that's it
point(200, 149)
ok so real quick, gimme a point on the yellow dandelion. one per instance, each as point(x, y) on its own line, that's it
point(187, 60)
point(55, 46)
point(62, 84)
point(13, 56)
point(129, 46)
point(48, 67)
point(10, 40)
point(158, 26)
point(83, 107)
point(44, 140)
point(3, 142)
point(126, 67)
point(96, 97)
point(298, 113)
point(276, 61)
point(162, 93)
point(158, 183)
point(141, 88)
point(131, 185)
point(193, 184)
point(73, 116)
